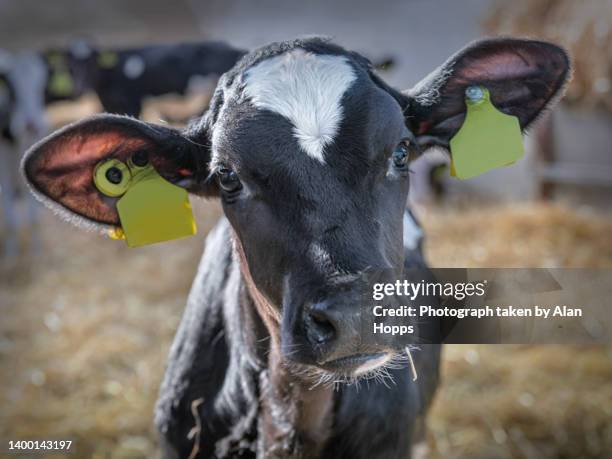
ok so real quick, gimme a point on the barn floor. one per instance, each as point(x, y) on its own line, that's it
point(86, 327)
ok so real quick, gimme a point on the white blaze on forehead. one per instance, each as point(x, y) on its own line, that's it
point(306, 89)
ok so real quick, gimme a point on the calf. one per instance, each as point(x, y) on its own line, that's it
point(308, 150)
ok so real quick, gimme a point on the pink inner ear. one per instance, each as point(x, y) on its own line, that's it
point(497, 67)
point(77, 150)
point(63, 171)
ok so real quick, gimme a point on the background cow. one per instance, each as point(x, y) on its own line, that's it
point(123, 77)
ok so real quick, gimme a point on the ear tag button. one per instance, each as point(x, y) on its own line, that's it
point(487, 139)
point(151, 209)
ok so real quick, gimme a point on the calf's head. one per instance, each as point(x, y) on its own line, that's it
point(309, 153)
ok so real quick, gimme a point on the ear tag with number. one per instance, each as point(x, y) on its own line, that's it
point(487, 139)
point(151, 209)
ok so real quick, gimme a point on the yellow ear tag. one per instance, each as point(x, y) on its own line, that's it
point(116, 233)
point(151, 209)
point(487, 139)
point(108, 59)
point(61, 84)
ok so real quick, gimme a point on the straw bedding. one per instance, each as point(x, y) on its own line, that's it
point(86, 328)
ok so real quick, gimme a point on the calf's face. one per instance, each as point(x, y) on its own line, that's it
point(309, 152)
point(311, 158)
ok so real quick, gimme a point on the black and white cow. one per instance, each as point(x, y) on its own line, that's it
point(308, 150)
point(123, 78)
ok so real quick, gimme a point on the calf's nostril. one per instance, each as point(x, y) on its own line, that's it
point(319, 327)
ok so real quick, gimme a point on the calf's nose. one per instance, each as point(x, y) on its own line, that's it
point(321, 324)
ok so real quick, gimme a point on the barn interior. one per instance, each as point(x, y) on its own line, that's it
point(86, 322)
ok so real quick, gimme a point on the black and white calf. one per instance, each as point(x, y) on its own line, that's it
point(308, 150)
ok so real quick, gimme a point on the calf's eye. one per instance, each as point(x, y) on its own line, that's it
point(401, 156)
point(228, 180)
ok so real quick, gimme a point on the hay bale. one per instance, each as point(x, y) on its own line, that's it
point(584, 28)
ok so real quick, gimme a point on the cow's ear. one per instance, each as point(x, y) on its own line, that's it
point(60, 168)
point(523, 78)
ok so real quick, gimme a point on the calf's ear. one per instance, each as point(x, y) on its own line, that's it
point(60, 168)
point(523, 78)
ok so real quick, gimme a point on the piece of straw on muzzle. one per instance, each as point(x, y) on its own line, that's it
point(412, 366)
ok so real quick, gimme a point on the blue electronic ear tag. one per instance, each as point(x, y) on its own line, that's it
point(487, 139)
point(151, 209)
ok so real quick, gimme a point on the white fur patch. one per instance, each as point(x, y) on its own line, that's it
point(412, 232)
point(134, 67)
point(306, 89)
